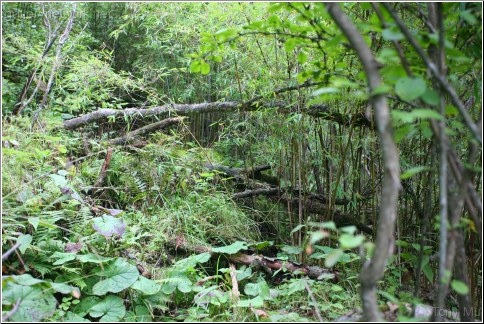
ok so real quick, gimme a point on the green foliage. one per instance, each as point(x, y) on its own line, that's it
point(33, 298)
point(116, 253)
point(110, 309)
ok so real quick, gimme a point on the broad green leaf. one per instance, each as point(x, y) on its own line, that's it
point(413, 171)
point(318, 236)
point(146, 286)
point(255, 302)
point(261, 245)
point(92, 258)
point(24, 240)
point(381, 89)
point(297, 228)
point(59, 180)
point(296, 285)
point(427, 271)
point(392, 73)
point(431, 97)
point(63, 288)
point(391, 35)
point(411, 116)
point(410, 88)
point(258, 289)
point(351, 241)
point(117, 277)
point(404, 131)
point(468, 17)
point(205, 67)
point(34, 221)
point(27, 280)
point(451, 110)
point(350, 229)
point(225, 34)
point(340, 82)
point(232, 248)
point(195, 66)
point(169, 287)
point(318, 255)
point(63, 257)
point(35, 305)
point(110, 309)
point(74, 318)
point(107, 225)
point(459, 287)
point(325, 91)
point(332, 258)
point(289, 45)
point(328, 225)
point(426, 114)
point(292, 249)
point(401, 243)
point(185, 286)
point(243, 273)
point(193, 260)
point(336, 288)
point(302, 57)
point(179, 281)
point(85, 305)
point(143, 314)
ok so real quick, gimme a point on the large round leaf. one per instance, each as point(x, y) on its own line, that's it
point(232, 248)
point(35, 303)
point(108, 225)
point(351, 241)
point(118, 276)
point(410, 88)
point(110, 308)
point(146, 286)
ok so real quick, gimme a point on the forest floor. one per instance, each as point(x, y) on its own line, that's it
point(149, 233)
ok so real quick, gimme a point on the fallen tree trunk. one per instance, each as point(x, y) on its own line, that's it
point(256, 192)
point(179, 109)
point(266, 263)
point(317, 111)
point(242, 174)
point(265, 186)
point(255, 173)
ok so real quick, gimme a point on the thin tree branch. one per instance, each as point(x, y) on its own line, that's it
point(11, 312)
point(373, 271)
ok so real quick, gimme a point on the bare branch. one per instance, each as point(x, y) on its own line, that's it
point(373, 271)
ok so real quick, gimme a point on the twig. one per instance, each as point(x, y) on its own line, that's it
point(315, 303)
point(57, 63)
point(10, 251)
point(11, 312)
point(235, 285)
point(104, 169)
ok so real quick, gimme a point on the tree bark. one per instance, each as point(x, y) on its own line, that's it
point(269, 264)
point(316, 111)
point(57, 62)
point(373, 270)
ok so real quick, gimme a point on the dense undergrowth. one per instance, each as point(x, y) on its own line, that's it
point(112, 253)
point(162, 194)
point(161, 234)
